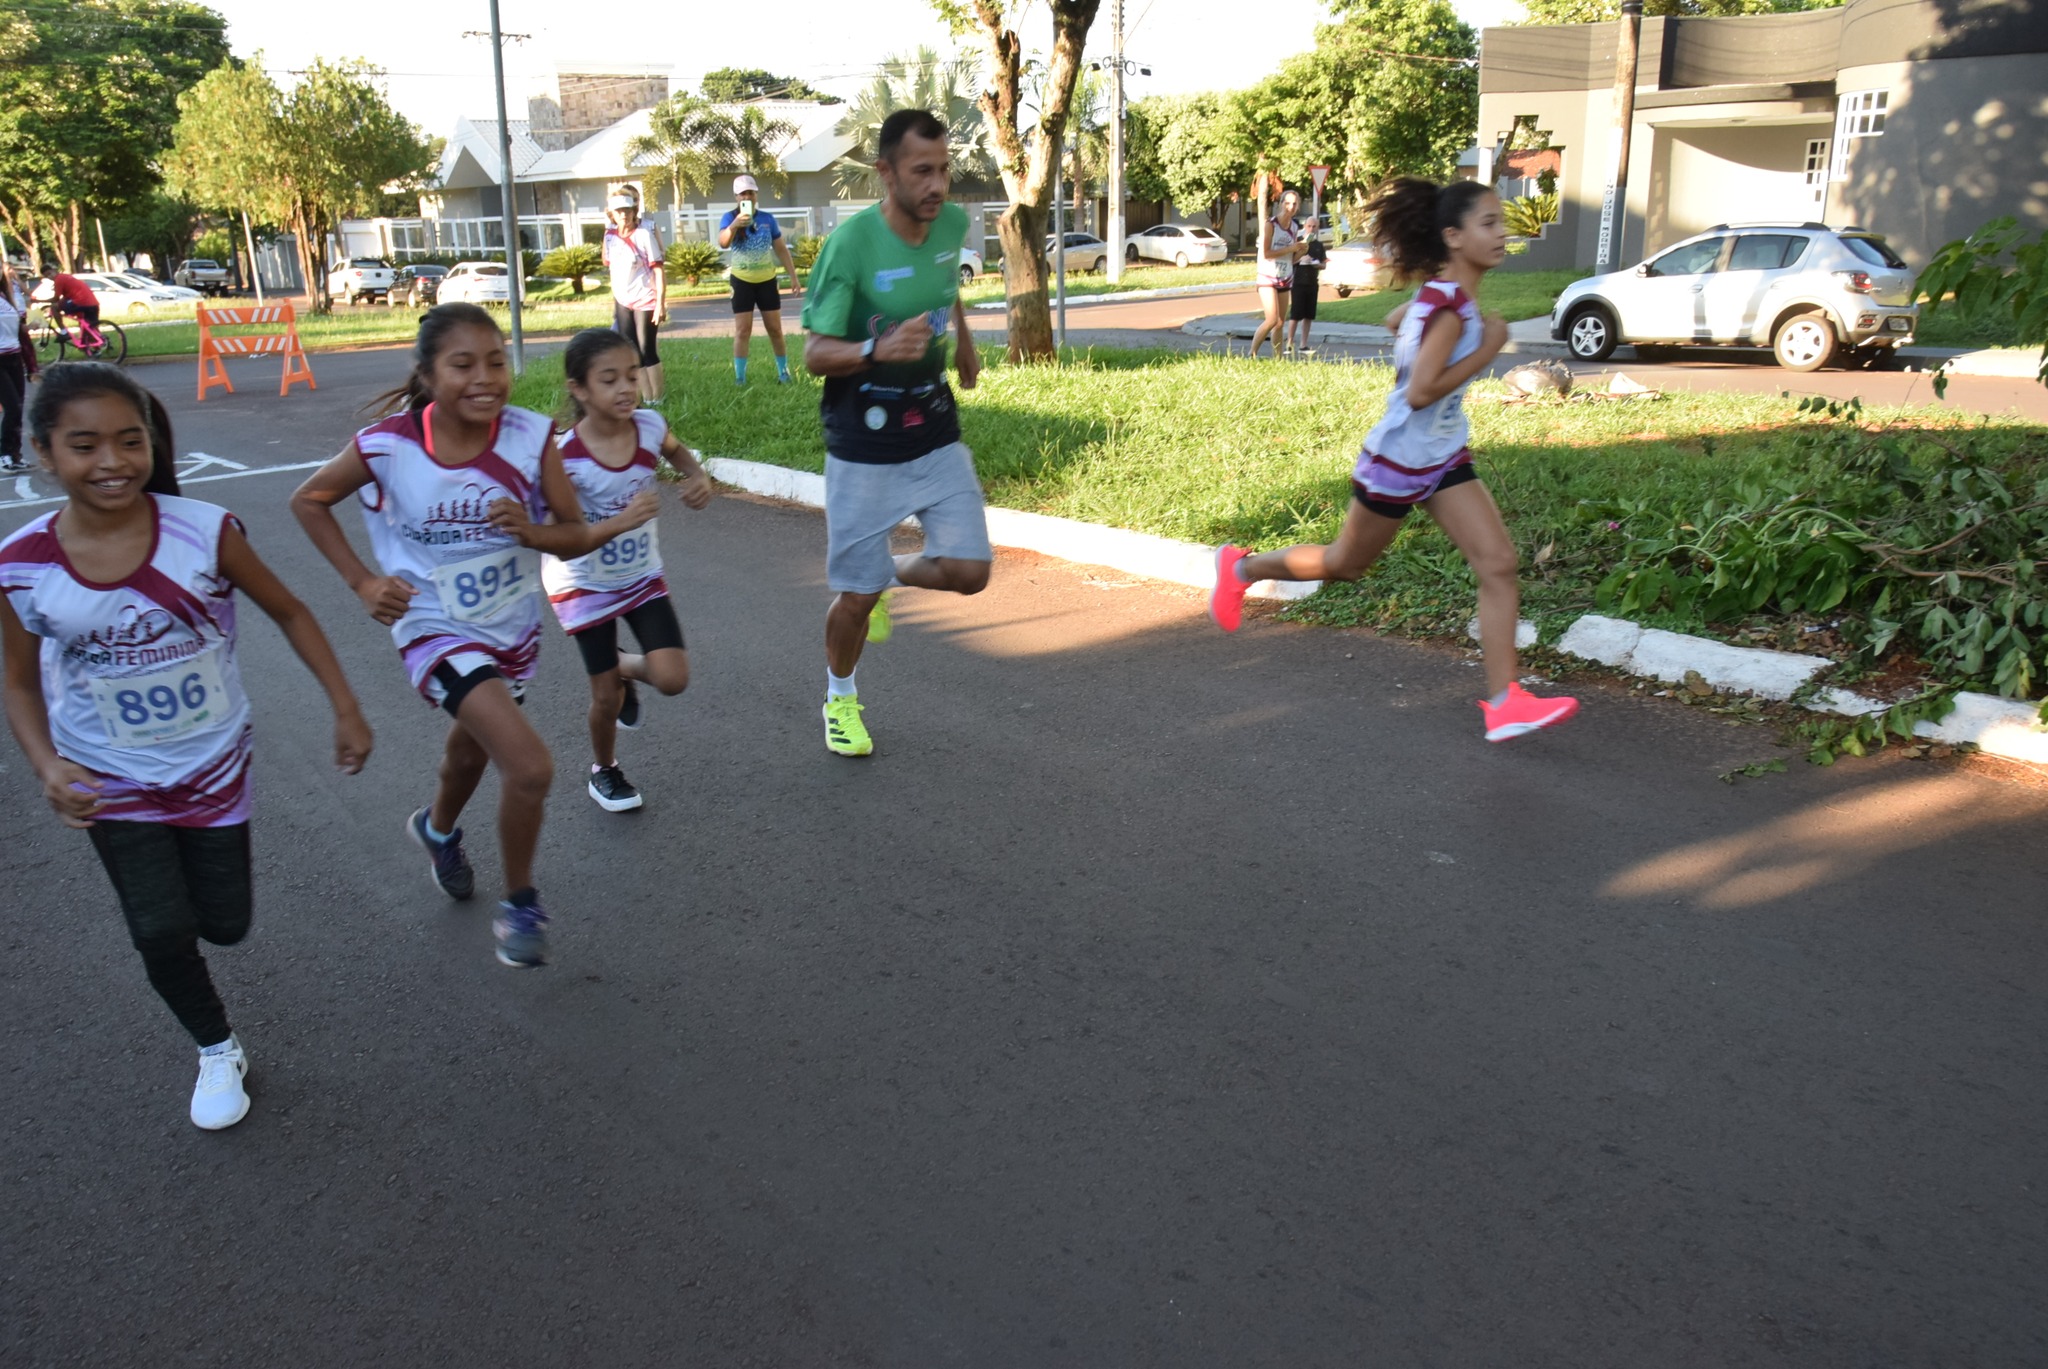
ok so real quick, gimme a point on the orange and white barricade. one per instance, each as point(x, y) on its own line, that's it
point(213, 373)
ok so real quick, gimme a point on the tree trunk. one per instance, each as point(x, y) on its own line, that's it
point(1027, 280)
point(312, 237)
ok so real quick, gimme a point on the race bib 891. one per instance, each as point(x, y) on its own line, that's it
point(481, 588)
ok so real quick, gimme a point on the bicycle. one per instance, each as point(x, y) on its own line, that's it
point(54, 340)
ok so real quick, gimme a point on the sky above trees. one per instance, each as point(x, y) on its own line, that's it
point(436, 74)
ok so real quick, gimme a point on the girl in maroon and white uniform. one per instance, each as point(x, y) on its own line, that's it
point(118, 623)
point(611, 456)
point(451, 487)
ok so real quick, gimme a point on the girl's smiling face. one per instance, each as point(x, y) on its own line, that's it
point(472, 377)
point(612, 384)
point(99, 451)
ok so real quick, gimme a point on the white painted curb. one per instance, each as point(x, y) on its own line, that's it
point(1090, 544)
point(1995, 726)
point(1127, 296)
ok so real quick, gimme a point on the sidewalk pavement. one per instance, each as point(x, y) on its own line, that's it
point(1531, 336)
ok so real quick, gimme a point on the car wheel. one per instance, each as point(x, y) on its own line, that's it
point(1590, 335)
point(1805, 342)
point(1180, 259)
point(1343, 292)
point(966, 274)
point(1130, 252)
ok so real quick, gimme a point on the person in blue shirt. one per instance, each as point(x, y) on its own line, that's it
point(756, 242)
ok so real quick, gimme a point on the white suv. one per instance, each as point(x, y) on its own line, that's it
point(1806, 291)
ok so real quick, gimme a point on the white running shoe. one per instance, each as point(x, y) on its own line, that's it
point(218, 1099)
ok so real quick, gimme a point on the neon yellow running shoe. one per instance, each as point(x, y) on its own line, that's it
point(880, 629)
point(845, 735)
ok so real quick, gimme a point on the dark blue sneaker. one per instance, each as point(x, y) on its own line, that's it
point(629, 706)
point(522, 932)
point(452, 875)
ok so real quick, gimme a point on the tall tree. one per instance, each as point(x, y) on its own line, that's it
point(303, 158)
point(947, 86)
point(1205, 151)
point(1601, 11)
point(731, 85)
point(88, 95)
point(1026, 166)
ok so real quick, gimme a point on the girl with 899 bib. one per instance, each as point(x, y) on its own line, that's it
point(610, 454)
point(451, 488)
point(123, 688)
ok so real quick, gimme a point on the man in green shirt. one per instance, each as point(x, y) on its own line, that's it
point(884, 291)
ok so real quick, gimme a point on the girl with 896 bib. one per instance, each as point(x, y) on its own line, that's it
point(123, 688)
point(451, 487)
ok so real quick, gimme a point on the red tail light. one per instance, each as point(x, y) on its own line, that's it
point(1859, 281)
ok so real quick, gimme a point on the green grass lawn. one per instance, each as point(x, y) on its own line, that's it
point(1512, 294)
point(1212, 448)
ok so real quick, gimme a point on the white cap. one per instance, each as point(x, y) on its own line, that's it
point(622, 201)
point(742, 184)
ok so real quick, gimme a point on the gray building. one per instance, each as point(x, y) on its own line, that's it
point(1917, 119)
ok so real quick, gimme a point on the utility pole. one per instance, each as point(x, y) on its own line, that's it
point(515, 263)
point(255, 271)
point(1614, 205)
point(1114, 262)
point(1059, 248)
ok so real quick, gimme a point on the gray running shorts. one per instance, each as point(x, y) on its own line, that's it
point(864, 503)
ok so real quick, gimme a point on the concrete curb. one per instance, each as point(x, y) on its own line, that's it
point(1531, 337)
point(1088, 544)
point(1127, 296)
point(1998, 727)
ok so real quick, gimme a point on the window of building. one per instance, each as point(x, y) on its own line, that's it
point(1859, 114)
point(1817, 169)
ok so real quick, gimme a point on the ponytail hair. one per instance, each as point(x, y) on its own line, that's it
point(1410, 216)
point(72, 380)
point(581, 354)
point(435, 325)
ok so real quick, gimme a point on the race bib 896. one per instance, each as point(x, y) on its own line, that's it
point(149, 710)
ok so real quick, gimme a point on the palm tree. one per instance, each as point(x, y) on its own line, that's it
point(678, 130)
point(948, 87)
point(748, 141)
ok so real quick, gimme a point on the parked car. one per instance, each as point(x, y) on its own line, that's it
point(1357, 265)
point(1807, 291)
point(198, 273)
point(1182, 244)
point(970, 265)
point(148, 282)
point(418, 285)
point(119, 297)
point(1085, 251)
point(475, 282)
point(360, 278)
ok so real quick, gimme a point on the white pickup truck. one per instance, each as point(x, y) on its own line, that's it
point(360, 278)
point(198, 273)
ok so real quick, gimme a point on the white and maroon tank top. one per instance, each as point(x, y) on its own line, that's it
point(429, 525)
point(625, 572)
point(1426, 438)
point(140, 676)
point(1277, 270)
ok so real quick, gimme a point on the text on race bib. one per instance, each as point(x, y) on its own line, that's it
point(628, 557)
point(149, 710)
point(481, 588)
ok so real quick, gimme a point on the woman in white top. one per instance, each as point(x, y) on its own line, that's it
point(13, 369)
point(1280, 245)
point(634, 257)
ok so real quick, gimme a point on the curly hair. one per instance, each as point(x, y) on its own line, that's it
point(1410, 216)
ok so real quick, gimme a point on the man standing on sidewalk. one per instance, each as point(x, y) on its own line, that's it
point(882, 295)
point(756, 241)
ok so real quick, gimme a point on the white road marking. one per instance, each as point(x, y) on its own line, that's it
point(199, 461)
point(24, 488)
point(195, 480)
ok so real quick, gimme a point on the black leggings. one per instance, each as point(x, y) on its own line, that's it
point(13, 385)
point(654, 627)
point(177, 886)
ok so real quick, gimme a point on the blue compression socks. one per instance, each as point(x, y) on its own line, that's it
point(739, 370)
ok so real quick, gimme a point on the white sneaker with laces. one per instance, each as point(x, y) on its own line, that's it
point(218, 1099)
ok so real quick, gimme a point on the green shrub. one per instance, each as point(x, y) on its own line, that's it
point(1525, 215)
point(693, 260)
point(1998, 282)
point(572, 263)
point(804, 251)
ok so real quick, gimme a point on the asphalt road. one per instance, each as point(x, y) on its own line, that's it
point(1151, 997)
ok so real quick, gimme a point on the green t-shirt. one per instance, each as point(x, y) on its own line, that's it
point(868, 280)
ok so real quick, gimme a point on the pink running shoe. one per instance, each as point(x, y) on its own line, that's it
point(1226, 601)
point(1524, 712)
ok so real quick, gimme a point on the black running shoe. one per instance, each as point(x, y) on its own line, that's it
point(452, 874)
point(629, 707)
point(612, 790)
